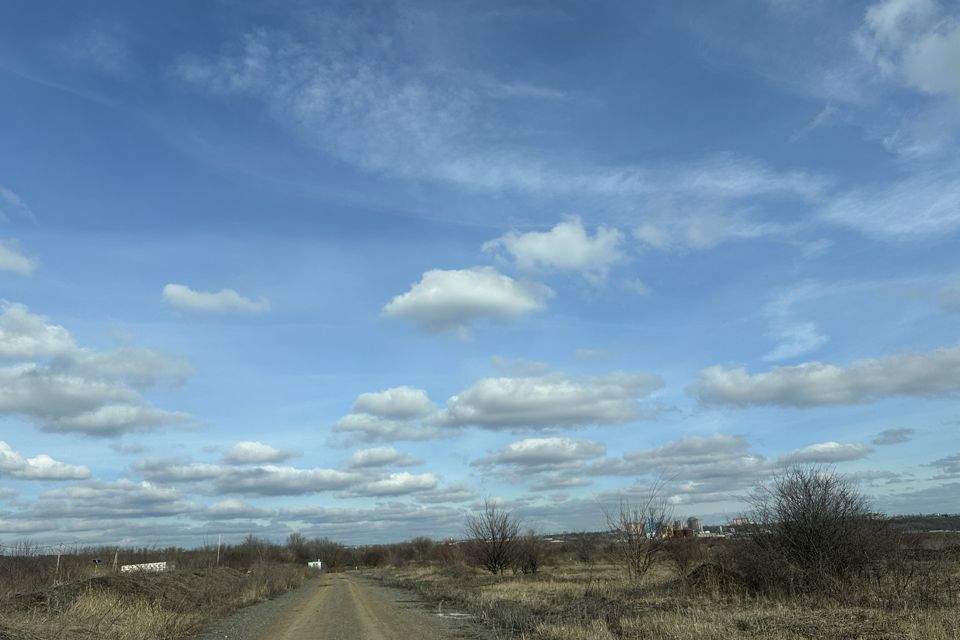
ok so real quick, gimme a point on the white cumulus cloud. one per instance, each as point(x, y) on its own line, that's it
point(401, 483)
point(540, 454)
point(41, 467)
point(915, 41)
point(27, 336)
point(448, 301)
point(565, 247)
point(271, 480)
point(397, 403)
point(364, 427)
point(184, 298)
point(112, 420)
point(64, 387)
point(382, 457)
point(550, 401)
point(251, 452)
point(811, 384)
point(827, 453)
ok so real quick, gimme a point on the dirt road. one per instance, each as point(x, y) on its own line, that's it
point(345, 607)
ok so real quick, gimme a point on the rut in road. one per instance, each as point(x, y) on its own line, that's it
point(342, 608)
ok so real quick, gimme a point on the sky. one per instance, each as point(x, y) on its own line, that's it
point(350, 269)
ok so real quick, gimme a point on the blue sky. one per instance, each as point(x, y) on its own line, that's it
point(350, 268)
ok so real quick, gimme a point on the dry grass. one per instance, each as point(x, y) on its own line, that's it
point(142, 606)
point(571, 601)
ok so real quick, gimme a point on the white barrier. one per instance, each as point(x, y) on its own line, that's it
point(155, 567)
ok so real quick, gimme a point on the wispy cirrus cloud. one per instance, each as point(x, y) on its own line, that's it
point(794, 337)
point(100, 46)
point(917, 205)
point(13, 206)
point(433, 123)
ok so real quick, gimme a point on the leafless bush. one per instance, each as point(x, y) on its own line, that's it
point(448, 554)
point(494, 534)
point(640, 529)
point(812, 529)
point(584, 548)
point(298, 548)
point(529, 554)
point(685, 554)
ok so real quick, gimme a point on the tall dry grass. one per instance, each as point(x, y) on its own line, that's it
point(139, 606)
point(698, 596)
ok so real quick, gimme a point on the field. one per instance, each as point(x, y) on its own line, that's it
point(568, 599)
point(42, 598)
point(577, 587)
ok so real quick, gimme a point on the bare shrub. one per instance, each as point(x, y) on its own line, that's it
point(422, 546)
point(493, 533)
point(584, 548)
point(529, 554)
point(812, 529)
point(448, 554)
point(298, 549)
point(685, 554)
point(639, 528)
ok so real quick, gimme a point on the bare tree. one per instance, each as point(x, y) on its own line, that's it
point(641, 530)
point(494, 534)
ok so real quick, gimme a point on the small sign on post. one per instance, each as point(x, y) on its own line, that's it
point(315, 564)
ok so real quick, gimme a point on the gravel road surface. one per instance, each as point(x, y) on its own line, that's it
point(343, 607)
